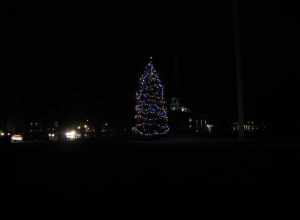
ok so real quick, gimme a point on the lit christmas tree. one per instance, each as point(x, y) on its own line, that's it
point(151, 117)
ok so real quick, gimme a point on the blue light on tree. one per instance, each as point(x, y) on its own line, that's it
point(151, 118)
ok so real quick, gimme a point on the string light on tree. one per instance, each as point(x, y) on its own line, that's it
point(151, 117)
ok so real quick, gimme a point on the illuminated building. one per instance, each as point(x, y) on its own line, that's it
point(177, 106)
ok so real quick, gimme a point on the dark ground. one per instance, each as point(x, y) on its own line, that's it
point(88, 170)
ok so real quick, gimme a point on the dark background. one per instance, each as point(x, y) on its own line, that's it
point(66, 61)
point(84, 60)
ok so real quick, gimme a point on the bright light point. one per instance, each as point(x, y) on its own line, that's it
point(2, 134)
point(85, 126)
point(78, 127)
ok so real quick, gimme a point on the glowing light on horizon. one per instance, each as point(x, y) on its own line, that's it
point(16, 138)
point(72, 135)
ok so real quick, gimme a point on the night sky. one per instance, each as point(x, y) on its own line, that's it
point(67, 61)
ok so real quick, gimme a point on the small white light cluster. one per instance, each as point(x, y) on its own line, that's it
point(85, 126)
point(51, 135)
point(72, 135)
point(2, 134)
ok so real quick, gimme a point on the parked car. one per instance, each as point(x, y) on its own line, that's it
point(17, 138)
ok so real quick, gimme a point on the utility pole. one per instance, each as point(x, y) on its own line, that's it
point(239, 64)
point(176, 73)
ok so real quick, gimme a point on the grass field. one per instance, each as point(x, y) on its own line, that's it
point(78, 170)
